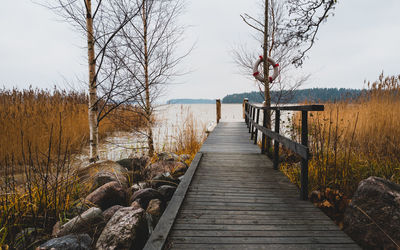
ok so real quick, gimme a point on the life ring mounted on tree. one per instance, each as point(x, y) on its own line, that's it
point(257, 74)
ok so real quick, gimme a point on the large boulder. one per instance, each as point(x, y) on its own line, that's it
point(153, 213)
point(144, 196)
point(164, 179)
point(68, 242)
point(108, 195)
point(135, 163)
point(83, 223)
point(184, 157)
point(167, 191)
point(165, 156)
point(372, 218)
point(161, 167)
point(127, 229)
point(179, 169)
point(102, 172)
point(109, 212)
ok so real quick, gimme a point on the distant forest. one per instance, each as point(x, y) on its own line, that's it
point(314, 95)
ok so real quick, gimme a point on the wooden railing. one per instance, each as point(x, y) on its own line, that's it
point(252, 118)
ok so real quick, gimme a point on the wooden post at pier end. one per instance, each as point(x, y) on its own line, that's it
point(245, 100)
point(218, 102)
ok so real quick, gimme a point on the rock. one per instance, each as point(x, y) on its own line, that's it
point(153, 214)
point(157, 168)
point(136, 204)
point(108, 195)
point(167, 191)
point(164, 179)
point(136, 163)
point(184, 157)
point(56, 229)
point(134, 188)
point(143, 185)
point(102, 172)
point(164, 156)
point(108, 213)
point(69, 242)
point(155, 210)
point(104, 177)
point(145, 195)
point(127, 229)
point(82, 223)
point(179, 169)
point(376, 202)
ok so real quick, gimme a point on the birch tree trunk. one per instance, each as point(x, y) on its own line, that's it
point(148, 110)
point(93, 104)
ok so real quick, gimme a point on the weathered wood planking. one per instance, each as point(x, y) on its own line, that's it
point(237, 201)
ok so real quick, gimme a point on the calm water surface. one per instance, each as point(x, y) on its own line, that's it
point(170, 121)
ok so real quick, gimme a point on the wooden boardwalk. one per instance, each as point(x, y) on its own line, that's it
point(235, 200)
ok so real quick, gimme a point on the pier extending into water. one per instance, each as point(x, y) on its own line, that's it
point(233, 197)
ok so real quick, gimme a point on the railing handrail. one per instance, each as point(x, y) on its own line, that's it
point(294, 108)
point(301, 149)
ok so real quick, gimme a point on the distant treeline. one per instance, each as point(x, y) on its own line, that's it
point(314, 95)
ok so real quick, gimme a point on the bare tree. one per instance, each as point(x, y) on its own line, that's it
point(96, 19)
point(287, 32)
point(148, 49)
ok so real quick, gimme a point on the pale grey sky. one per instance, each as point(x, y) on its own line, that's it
point(360, 41)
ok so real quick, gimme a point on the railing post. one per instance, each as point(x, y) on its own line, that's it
point(218, 102)
point(263, 135)
point(245, 101)
point(250, 111)
point(253, 117)
point(304, 162)
point(276, 142)
point(257, 120)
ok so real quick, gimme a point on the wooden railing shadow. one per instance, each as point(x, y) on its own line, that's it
point(252, 119)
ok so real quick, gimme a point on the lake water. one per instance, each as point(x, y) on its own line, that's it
point(170, 120)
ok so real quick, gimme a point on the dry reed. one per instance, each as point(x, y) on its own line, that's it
point(352, 140)
point(187, 137)
point(30, 115)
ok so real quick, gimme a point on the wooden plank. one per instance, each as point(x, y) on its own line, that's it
point(251, 227)
point(262, 240)
point(235, 203)
point(282, 215)
point(185, 233)
point(159, 236)
point(263, 246)
point(258, 214)
point(278, 221)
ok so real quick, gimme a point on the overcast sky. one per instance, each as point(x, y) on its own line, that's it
point(356, 44)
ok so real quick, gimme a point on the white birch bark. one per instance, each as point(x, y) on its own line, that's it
point(93, 104)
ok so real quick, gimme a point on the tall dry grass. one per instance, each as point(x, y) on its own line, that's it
point(187, 137)
point(29, 210)
point(30, 116)
point(352, 140)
